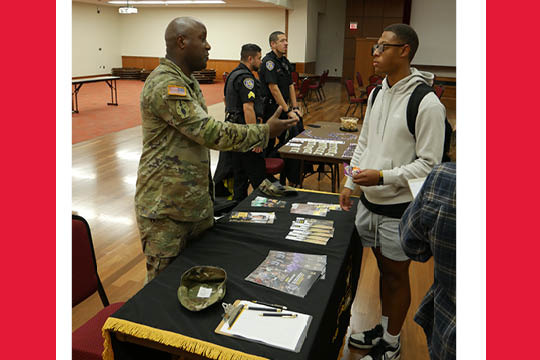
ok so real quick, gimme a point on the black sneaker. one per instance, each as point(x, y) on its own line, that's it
point(367, 339)
point(384, 351)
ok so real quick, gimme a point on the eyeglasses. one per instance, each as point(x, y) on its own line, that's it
point(380, 47)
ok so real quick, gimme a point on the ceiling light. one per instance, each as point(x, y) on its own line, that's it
point(127, 10)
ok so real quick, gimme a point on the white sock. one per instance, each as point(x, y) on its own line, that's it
point(391, 339)
point(384, 322)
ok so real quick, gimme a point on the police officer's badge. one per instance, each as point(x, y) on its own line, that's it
point(249, 83)
point(270, 65)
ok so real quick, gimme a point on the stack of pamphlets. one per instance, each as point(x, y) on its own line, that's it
point(327, 206)
point(308, 209)
point(261, 201)
point(311, 230)
point(292, 273)
point(253, 217)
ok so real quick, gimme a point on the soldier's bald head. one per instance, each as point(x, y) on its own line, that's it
point(181, 26)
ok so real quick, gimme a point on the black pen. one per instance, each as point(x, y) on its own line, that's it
point(279, 315)
point(271, 305)
point(263, 309)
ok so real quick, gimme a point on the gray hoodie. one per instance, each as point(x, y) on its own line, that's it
point(385, 142)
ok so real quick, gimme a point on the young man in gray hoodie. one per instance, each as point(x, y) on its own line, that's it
point(388, 155)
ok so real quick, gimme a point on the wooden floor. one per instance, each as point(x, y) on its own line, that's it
point(103, 185)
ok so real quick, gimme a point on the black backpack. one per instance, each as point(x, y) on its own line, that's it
point(412, 111)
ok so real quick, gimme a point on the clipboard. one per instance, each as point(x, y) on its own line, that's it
point(283, 333)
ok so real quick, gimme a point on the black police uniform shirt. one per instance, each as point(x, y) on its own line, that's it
point(244, 89)
point(276, 70)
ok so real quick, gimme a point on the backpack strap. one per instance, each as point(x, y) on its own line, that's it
point(414, 103)
point(375, 92)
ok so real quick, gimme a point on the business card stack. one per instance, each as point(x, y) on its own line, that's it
point(308, 209)
point(253, 217)
point(314, 231)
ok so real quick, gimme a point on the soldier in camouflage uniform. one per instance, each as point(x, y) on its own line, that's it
point(174, 192)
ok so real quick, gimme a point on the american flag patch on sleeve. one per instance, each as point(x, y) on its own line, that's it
point(176, 90)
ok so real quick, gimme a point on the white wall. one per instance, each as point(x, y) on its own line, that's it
point(298, 31)
point(228, 29)
point(435, 23)
point(331, 38)
point(91, 31)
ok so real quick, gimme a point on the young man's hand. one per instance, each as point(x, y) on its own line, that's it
point(366, 177)
point(345, 199)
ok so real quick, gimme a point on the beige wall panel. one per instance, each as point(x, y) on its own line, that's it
point(92, 31)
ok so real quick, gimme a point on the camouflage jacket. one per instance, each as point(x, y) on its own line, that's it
point(174, 177)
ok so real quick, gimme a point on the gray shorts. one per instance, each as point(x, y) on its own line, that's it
point(380, 231)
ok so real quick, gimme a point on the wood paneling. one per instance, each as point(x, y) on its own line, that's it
point(355, 7)
point(391, 20)
point(349, 49)
point(308, 68)
point(142, 62)
point(374, 8)
point(363, 60)
point(373, 27)
point(222, 66)
point(393, 8)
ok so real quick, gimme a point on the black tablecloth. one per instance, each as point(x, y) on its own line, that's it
point(239, 248)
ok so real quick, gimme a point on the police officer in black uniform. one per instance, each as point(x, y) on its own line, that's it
point(244, 105)
point(278, 88)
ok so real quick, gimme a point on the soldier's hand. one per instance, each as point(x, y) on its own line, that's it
point(276, 126)
point(298, 112)
point(257, 149)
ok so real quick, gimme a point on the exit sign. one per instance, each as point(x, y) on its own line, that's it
point(353, 25)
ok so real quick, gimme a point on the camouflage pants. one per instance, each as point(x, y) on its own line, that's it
point(163, 239)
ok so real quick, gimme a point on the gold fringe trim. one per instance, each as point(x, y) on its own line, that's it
point(195, 346)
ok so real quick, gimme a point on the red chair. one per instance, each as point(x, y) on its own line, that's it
point(303, 93)
point(439, 90)
point(294, 75)
point(375, 80)
point(87, 341)
point(274, 165)
point(360, 84)
point(370, 88)
point(317, 85)
point(353, 100)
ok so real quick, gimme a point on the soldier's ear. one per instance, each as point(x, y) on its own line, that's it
point(181, 41)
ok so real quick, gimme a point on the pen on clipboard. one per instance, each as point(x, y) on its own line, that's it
point(279, 315)
point(271, 305)
point(231, 322)
point(263, 308)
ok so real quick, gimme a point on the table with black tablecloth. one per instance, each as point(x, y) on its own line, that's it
point(153, 324)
